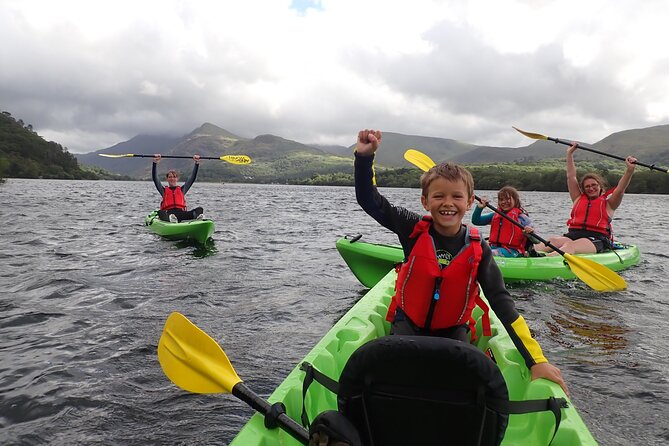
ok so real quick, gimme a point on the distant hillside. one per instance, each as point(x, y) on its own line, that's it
point(276, 159)
point(539, 150)
point(334, 149)
point(210, 140)
point(649, 145)
point(25, 154)
point(148, 144)
point(395, 144)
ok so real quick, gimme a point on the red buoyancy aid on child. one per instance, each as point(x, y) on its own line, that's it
point(173, 198)
point(506, 234)
point(591, 215)
point(434, 298)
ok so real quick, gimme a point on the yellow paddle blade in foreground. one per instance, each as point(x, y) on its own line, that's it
point(419, 159)
point(596, 276)
point(192, 360)
point(236, 159)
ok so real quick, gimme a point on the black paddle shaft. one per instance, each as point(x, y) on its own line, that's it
point(178, 156)
point(297, 431)
point(610, 155)
point(544, 241)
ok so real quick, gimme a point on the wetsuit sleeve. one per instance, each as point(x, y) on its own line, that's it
point(397, 219)
point(492, 284)
point(191, 179)
point(156, 181)
point(524, 220)
point(481, 220)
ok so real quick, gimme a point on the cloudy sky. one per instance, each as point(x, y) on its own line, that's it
point(90, 74)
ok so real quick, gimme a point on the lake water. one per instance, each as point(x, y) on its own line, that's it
point(86, 288)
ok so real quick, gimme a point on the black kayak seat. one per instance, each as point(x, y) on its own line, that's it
point(422, 390)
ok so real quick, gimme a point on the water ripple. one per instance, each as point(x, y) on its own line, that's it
point(86, 294)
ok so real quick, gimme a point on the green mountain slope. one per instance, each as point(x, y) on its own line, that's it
point(395, 144)
point(276, 159)
point(25, 154)
point(650, 145)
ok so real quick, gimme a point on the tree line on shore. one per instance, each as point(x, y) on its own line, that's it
point(495, 177)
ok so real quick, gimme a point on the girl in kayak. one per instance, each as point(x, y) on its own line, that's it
point(173, 206)
point(506, 239)
point(445, 261)
point(589, 228)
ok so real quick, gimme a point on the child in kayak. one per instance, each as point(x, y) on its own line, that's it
point(173, 206)
point(589, 228)
point(445, 261)
point(506, 239)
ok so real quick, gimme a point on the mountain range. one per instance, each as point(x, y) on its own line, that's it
point(277, 159)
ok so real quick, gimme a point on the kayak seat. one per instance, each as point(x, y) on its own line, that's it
point(422, 390)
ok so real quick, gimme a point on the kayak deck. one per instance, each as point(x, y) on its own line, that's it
point(366, 321)
point(369, 262)
point(198, 231)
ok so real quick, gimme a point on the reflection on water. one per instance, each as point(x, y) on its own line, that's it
point(589, 324)
point(198, 250)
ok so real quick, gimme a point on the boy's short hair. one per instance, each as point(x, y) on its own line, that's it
point(450, 172)
point(171, 172)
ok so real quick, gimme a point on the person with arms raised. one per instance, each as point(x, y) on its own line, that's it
point(173, 205)
point(589, 228)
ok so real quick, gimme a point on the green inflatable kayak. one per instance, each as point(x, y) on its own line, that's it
point(365, 323)
point(195, 230)
point(369, 262)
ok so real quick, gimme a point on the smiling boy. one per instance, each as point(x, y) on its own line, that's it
point(443, 257)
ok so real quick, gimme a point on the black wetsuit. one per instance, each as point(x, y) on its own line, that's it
point(180, 214)
point(402, 221)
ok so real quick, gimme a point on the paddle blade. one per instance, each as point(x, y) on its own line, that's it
point(596, 276)
point(192, 360)
point(419, 159)
point(115, 155)
point(531, 135)
point(236, 159)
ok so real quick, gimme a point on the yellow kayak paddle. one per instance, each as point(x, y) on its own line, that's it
point(232, 159)
point(589, 149)
point(195, 362)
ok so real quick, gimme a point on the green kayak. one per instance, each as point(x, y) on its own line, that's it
point(365, 322)
point(195, 230)
point(369, 262)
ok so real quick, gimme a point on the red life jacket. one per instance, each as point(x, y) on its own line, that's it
point(434, 298)
point(173, 198)
point(505, 234)
point(591, 215)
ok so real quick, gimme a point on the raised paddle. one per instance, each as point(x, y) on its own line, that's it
point(589, 149)
point(596, 276)
point(195, 362)
point(232, 159)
